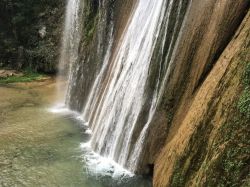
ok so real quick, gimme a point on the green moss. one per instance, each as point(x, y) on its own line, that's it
point(90, 25)
point(244, 100)
point(244, 103)
point(178, 178)
point(233, 166)
point(91, 31)
point(28, 76)
point(232, 170)
point(246, 78)
point(227, 161)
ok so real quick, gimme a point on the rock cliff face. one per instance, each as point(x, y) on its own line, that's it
point(190, 51)
point(125, 54)
point(198, 136)
point(207, 141)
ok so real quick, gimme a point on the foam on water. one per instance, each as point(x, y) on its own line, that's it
point(64, 110)
point(96, 165)
point(99, 165)
point(59, 108)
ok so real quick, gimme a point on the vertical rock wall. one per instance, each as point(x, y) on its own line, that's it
point(204, 87)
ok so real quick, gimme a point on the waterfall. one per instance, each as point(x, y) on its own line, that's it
point(117, 102)
point(70, 44)
point(122, 101)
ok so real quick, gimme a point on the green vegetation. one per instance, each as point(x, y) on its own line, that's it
point(178, 176)
point(91, 21)
point(28, 76)
point(235, 158)
point(21, 45)
point(232, 168)
point(244, 101)
point(91, 28)
point(227, 160)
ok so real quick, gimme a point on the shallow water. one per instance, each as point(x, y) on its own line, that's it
point(41, 148)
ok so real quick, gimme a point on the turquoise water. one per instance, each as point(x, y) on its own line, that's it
point(40, 148)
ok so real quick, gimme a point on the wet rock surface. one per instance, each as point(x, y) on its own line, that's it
point(190, 157)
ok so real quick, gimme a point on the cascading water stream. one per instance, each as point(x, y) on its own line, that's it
point(115, 107)
point(70, 44)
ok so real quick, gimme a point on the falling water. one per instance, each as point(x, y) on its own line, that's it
point(113, 114)
point(70, 44)
point(120, 92)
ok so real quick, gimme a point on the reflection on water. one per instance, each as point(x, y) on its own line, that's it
point(41, 148)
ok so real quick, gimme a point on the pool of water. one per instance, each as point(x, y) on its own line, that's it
point(42, 148)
